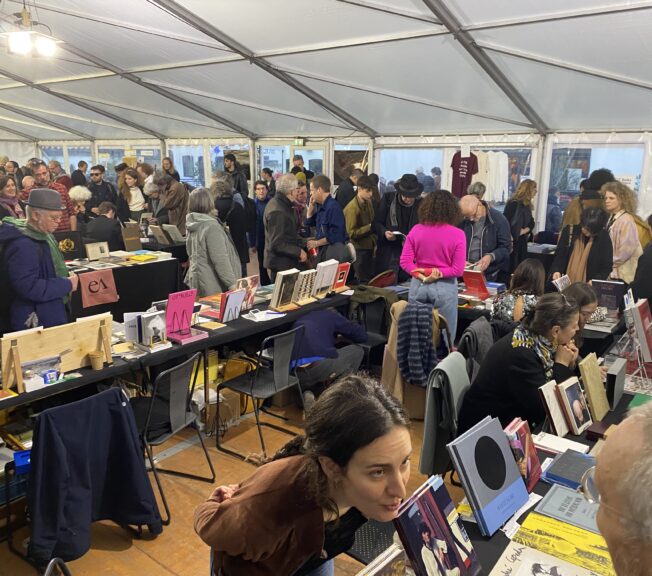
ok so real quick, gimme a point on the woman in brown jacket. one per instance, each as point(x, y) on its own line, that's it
point(297, 512)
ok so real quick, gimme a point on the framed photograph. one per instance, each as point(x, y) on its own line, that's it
point(575, 406)
point(97, 250)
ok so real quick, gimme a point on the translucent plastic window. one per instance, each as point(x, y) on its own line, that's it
point(76, 154)
point(52, 153)
point(110, 157)
point(425, 163)
point(240, 151)
point(347, 157)
point(189, 163)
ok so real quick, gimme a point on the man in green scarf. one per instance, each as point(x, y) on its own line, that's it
point(38, 279)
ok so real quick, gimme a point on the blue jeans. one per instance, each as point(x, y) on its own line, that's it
point(326, 569)
point(442, 294)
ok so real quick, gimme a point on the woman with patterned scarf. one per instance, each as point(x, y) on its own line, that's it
point(9, 204)
point(540, 349)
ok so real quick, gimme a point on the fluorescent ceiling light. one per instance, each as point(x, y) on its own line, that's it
point(45, 46)
point(20, 42)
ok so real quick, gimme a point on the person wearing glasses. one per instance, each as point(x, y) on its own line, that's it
point(540, 349)
point(39, 282)
point(101, 191)
point(488, 238)
point(620, 484)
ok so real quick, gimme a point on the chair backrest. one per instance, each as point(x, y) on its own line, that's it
point(172, 386)
point(373, 316)
point(284, 351)
point(454, 366)
point(384, 279)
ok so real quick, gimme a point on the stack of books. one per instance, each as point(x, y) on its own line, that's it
point(525, 453)
point(566, 407)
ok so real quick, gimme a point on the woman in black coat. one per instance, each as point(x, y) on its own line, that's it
point(518, 212)
point(233, 215)
point(584, 251)
point(537, 351)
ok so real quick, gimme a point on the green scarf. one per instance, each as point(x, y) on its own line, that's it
point(57, 257)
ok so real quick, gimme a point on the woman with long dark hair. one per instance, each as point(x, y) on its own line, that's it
point(131, 194)
point(434, 255)
point(518, 212)
point(526, 286)
point(539, 349)
point(296, 513)
point(9, 203)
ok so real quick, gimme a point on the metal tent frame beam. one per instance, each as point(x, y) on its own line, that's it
point(158, 90)
point(33, 139)
point(211, 31)
point(42, 120)
point(81, 104)
point(442, 12)
point(386, 10)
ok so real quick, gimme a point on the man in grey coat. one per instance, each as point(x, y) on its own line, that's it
point(283, 247)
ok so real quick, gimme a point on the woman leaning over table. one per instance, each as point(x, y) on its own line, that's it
point(293, 515)
point(434, 254)
point(620, 203)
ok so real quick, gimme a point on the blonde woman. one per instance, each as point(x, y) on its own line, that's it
point(518, 212)
point(620, 203)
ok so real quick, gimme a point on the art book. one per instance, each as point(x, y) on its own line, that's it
point(593, 386)
point(173, 232)
point(519, 560)
point(566, 542)
point(492, 482)
point(326, 272)
point(556, 418)
point(610, 294)
point(339, 284)
point(569, 506)
point(153, 329)
point(571, 398)
point(568, 468)
point(392, 562)
point(303, 287)
point(433, 535)
point(250, 284)
point(233, 304)
point(475, 285)
point(525, 453)
point(284, 288)
point(178, 318)
point(159, 234)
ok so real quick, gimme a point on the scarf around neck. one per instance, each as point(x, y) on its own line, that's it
point(57, 257)
point(13, 206)
point(542, 347)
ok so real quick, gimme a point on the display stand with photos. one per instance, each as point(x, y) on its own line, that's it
point(77, 339)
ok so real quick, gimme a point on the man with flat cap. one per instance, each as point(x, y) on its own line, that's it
point(38, 278)
point(397, 212)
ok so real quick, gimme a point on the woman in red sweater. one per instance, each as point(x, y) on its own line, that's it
point(434, 255)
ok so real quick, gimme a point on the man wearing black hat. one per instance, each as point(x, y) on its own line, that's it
point(397, 212)
point(232, 167)
point(589, 196)
point(38, 279)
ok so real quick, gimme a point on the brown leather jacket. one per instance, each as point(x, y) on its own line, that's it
point(271, 526)
point(176, 203)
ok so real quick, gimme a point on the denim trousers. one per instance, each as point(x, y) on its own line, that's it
point(326, 569)
point(442, 294)
point(348, 360)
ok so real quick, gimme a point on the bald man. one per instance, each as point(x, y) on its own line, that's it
point(488, 238)
point(622, 485)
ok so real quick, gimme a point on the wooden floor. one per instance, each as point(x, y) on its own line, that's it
point(178, 550)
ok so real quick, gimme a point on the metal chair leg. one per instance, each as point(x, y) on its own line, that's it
point(260, 430)
point(150, 457)
point(208, 458)
point(188, 474)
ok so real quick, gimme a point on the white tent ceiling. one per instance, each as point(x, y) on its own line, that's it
point(133, 69)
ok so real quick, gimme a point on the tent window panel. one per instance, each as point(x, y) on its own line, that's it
point(52, 153)
point(110, 158)
point(276, 158)
point(240, 151)
point(189, 162)
point(76, 154)
point(423, 162)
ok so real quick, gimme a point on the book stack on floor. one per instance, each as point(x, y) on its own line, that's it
point(492, 482)
point(433, 535)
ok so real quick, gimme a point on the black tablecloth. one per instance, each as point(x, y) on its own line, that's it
point(138, 286)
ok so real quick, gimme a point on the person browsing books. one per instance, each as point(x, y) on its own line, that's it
point(540, 349)
point(434, 255)
point(294, 514)
point(526, 287)
point(326, 215)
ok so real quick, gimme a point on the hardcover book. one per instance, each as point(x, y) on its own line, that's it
point(520, 560)
point(433, 535)
point(643, 326)
point(284, 288)
point(569, 506)
point(326, 272)
point(548, 393)
point(571, 398)
point(562, 283)
point(159, 234)
point(593, 386)
point(475, 285)
point(525, 453)
point(568, 468)
point(97, 250)
point(173, 232)
point(152, 328)
point(178, 317)
point(492, 482)
point(303, 287)
point(250, 284)
point(610, 294)
point(233, 304)
point(339, 284)
point(616, 382)
point(131, 236)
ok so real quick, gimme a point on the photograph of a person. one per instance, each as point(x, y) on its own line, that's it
point(435, 553)
point(578, 406)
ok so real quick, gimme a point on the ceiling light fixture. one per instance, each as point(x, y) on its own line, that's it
point(26, 41)
point(20, 42)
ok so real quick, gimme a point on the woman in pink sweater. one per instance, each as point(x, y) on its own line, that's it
point(434, 255)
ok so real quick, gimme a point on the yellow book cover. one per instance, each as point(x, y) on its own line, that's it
point(565, 541)
point(143, 257)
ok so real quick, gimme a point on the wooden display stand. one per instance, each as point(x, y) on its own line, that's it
point(77, 339)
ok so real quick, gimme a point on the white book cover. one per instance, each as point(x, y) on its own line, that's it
point(174, 233)
point(233, 305)
point(303, 287)
point(554, 409)
point(280, 296)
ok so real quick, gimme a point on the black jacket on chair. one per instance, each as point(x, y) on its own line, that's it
point(86, 465)
point(600, 261)
point(103, 229)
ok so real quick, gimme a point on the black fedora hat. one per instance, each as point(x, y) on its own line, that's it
point(409, 186)
point(45, 199)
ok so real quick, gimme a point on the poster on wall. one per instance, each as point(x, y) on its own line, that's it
point(345, 161)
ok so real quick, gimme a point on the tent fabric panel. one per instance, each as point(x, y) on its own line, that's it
point(432, 68)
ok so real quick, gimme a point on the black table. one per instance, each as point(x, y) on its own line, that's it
point(178, 249)
point(138, 286)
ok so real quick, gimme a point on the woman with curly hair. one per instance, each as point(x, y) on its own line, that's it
point(434, 255)
point(518, 212)
point(620, 203)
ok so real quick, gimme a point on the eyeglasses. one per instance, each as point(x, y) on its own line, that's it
point(96, 173)
point(588, 487)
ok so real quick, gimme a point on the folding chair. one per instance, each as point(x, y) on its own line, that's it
point(165, 413)
point(265, 381)
point(383, 280)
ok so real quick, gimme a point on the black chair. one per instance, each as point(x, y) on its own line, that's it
point(373, 317)
point(268, 379)
point(165, 413)
point(57, 566)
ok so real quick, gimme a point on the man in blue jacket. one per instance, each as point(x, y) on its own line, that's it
point(488, 238)
point(39, 281)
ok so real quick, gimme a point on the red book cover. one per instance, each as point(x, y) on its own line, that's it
point(643, 325)
point(522, 445)
point(340, 277)
point(475, 284)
